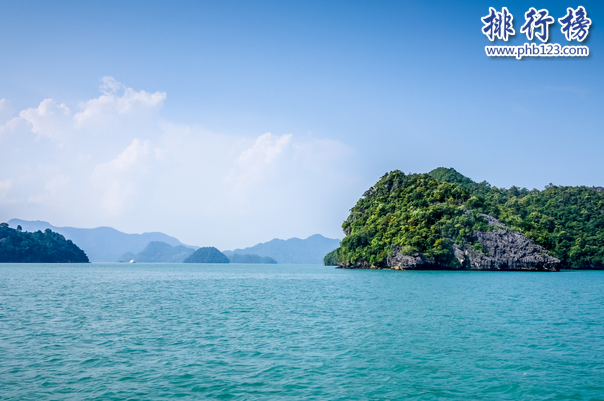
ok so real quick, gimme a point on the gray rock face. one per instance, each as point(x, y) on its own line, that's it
point(417, 261)
point(503, 250)
point(357, 265)
point(492, 221)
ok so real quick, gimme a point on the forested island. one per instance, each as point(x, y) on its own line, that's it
point(207, 254)
point(157, 251)
point(101, 244)
point(250, 258)
point(17, 246)
point(444, 220)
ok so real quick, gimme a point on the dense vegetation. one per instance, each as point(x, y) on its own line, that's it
point(248, 258)
point(568, 221)
point(331, 259)
point(17, 246)
point(417, 212)
point(207, 254)
point(429, 212)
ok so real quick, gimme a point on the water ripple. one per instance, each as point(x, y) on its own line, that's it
point(238, 332)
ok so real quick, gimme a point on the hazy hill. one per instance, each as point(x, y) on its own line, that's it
point(101, 244)
point(294, 250)
point(37, 247)
point(127, 257)
point(157, 251)
point(207, 254)
point(240, 258)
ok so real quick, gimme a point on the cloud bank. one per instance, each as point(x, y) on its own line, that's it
point(114, 161)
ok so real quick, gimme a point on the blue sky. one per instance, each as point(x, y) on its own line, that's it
point(347, 90)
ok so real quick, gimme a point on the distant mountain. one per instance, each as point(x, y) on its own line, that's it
point(239, 258)
point(294, 250)
point(127, 257)
point(207, 254)
point(102, 244)
point(37, 247)
point(157, 251)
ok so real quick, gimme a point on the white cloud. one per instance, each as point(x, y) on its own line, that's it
point(116, 179)
point(110, 86)
point(110, 105)
point(272, 156)
point(265, 150)
point(115, 162)
point(117, 110)
point(16, 124)
point(252, 163)
point(130, 158)
point(50, 119)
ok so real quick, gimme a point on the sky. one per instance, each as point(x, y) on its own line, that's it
point(229, 123)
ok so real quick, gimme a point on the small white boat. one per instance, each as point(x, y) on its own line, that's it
point(132, 261)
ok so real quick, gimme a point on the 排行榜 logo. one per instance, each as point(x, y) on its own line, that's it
point(537, 23)
point(537, 20)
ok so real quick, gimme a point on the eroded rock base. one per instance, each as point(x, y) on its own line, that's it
point(504, 250)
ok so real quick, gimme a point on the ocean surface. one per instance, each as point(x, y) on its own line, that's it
point(239, 332)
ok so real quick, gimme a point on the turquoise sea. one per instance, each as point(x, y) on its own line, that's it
point(162, 331)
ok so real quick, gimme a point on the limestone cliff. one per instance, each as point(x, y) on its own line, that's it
point(503, 249)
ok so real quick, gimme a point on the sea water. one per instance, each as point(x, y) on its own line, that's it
point(162, 331)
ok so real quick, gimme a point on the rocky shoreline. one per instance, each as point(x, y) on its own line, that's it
point(503, 250)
